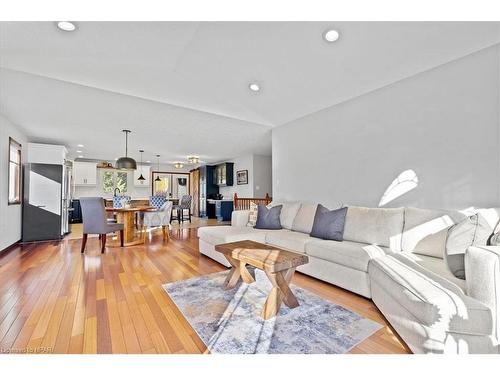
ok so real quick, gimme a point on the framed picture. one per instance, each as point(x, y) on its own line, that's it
point(242, 177)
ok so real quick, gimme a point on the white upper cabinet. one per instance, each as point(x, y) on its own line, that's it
point(146, 173)
point(85, 173)
point(46, 154)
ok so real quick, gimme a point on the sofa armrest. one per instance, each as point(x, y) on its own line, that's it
point(482, 274)
point(239, 218)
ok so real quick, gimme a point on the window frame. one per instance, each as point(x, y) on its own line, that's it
point(18, 201)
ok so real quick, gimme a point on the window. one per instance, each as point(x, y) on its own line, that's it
point(112, 180)
point(14, 172)
point(121, 181)
point(108, 182)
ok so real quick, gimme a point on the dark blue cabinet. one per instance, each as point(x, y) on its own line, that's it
point(223, 210)
point(223, 175)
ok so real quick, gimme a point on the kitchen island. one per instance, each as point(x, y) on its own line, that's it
point(220, 209)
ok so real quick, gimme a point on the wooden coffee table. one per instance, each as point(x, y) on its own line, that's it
point(278, 264)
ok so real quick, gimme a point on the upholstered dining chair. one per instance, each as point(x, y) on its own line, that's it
point(184, 204)
point(95, 221)
point(160, 218)
point(157, 201)
point(119, 201)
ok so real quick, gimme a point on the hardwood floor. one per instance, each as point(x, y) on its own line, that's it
point(55, 300)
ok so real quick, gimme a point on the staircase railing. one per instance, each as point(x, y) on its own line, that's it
point(244, 203)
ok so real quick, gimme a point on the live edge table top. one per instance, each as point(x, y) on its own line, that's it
point(265, 257)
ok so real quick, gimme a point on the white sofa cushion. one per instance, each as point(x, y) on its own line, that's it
point(378, 226)
point(432, 300)
point(295, 241)
point(350, 254)
point(216, 235)
point(304, 219)
point(239, 218)
point(471, 231)
point(288, 212)
point(482, 267)
point(425, 231)
point(433, 264)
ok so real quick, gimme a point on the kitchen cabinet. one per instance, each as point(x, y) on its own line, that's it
point(223, 175)
point(85, 173)
point(46, 154)
point(219, 209)
point(146, 173)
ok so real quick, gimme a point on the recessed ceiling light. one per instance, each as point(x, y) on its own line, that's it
point(78, 151)
point(66, 26)
point(80, 156)
point(331, 35)
point(80, 145)
point(254, 87)
point(148, 161)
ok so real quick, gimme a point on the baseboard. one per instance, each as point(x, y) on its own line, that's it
point(9, 248)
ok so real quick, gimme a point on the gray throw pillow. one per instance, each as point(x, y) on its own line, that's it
point(268, 218)
point(473, 230)
point(329, 225)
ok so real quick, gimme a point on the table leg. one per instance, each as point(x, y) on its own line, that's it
point(238, 269)
point(245, 274)
point(281, 292)
point(130, 237)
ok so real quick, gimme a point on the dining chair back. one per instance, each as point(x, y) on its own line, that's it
point(184, 204)
point(157, 201)
point(95, 221)
point(119, 201)
point(94, 215)
point(160, 218)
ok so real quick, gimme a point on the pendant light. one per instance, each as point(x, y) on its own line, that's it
point(125, 162)
point(141, 177)
point(158, 179)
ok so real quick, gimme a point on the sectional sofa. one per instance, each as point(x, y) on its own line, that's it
point(395, 256)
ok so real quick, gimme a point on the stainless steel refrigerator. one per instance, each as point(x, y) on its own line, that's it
point(46, 201)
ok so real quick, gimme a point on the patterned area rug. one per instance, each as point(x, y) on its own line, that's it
point(229, 322)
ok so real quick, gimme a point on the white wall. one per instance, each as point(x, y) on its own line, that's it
point(259, 169)
point(240, 163)
point(262, 176)
point(443, 124)
point(10, 216)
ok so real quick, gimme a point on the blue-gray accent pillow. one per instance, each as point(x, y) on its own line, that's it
point(329, 225)
point(268, 218)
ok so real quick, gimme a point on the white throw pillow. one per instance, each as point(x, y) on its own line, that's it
point(472, 231)
point(304, 219)
point(425, 231)
point(288, 212)
point(252, 216)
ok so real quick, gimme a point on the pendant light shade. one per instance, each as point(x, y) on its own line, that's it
point(141, 177)
point(125, 162)
point(158, 179)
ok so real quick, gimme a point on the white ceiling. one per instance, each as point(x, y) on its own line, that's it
point(182, 87)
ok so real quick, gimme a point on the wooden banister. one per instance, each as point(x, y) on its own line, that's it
point(244, 203)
